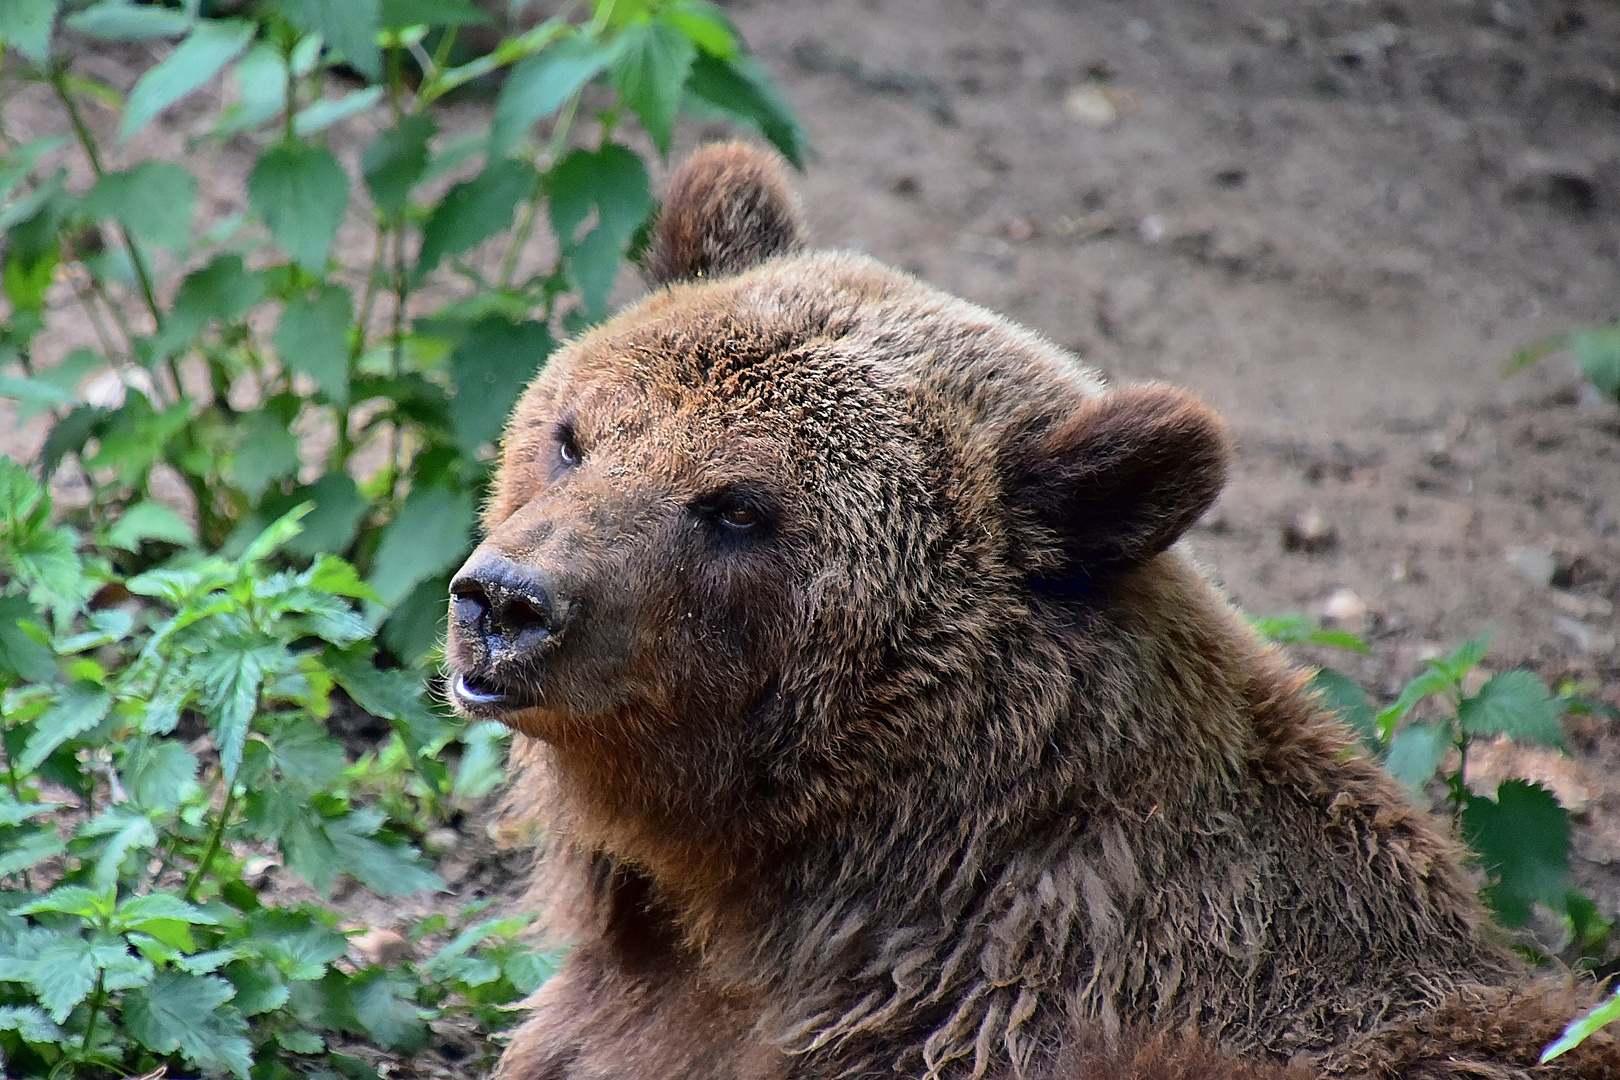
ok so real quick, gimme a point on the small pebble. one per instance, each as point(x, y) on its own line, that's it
point(381, 946)
point(1310, 533)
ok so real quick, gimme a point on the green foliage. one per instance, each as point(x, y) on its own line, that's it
point(229, 348)
point(1596, 352)
point(167, 671)
point(147, 744)
point(1522, 835)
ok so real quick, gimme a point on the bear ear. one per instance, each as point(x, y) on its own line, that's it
point(1115, 483)
point(729, 207)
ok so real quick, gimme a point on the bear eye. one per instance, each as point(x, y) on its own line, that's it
point(567, 447)
point(738, 516)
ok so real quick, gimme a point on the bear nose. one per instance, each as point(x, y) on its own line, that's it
point(495, 598)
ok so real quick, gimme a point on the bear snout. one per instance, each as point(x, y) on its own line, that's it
point(503, 616)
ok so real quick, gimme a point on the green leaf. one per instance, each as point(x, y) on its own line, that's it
point(187, 1013)
point(398, 14)
point(349, 26)
point(394, 695)
point(396, 160)
point(260, 79)
point(652, 62)
point(431, 534)
point(328, 111)
point(1342, 697)
point(491, 365)
point(417, 624)
point(614, 181)
point(540, 84)
point(474, 211)
point(301, 192)
point(1433, 680)
point(30, 850)
point(333, 521)
point(259, 988)
point(483, 760)
point(120, 20)
point(224, 289)
point(1522, 837)
point(64, 973)
point(25, 25)
point(80, 707)
point(1516, 704)
point(90, 904)
point(1416, 752)
point(1598, 354)
point(313, 338)
point(153, 201)
point(231, 677)
point(31, 1025)
point(266, 451)
point(1601, 1015)
point(126, 829)
point(1294, 629)
point(15, 166)
point(211, 45)
point(386, 1011)
point(384, 869)
point(20, 653)
point(705, 25)
point(150, 520)
point(296, 943)
point(740, 90)
point(157, 773)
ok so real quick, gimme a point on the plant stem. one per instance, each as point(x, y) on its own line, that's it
point(402, 289)
point(212, 848)
point(143, 277)
point(554, 149)
point(97, 997)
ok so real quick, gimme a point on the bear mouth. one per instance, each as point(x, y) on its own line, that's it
point(483, 698)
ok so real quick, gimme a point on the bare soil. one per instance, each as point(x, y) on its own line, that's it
point(1336, 219)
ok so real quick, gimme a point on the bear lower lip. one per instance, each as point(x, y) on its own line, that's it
point(477, 696)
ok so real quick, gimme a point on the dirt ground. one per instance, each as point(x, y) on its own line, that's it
point(1337, 220)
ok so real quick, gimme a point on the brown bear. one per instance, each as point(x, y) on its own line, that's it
point(880, 726)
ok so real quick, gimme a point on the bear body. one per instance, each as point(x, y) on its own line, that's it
point(880, 727)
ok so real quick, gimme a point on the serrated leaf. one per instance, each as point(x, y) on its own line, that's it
point(539, 85)
point(1598, 354)
point(260, 79)
point(90, 904)
point(431, 534)
point(31, 1025)
point(157, 773)
point(150, 520)
point(259, 987)
point(1416, 752)
point(20, 654)
point(298, 945)
point(741, 90)
point(398, 14)
point(706, 25)
point(332, 522)
point(211, 45)
point(1516, 704)
point(134, 910)
point(394, 695)
point(396, 160)
point(1522, 837)
point(1579, 1030)
point(188, 1014)
point(387, 1012)
point(231, 678)
point(474, 211)
point(79, 708)
point(491, 364)
point(152, 201)
point(126, 829)
point(313, 338)
point(120, 20)
point(333, 575)
point(384, 869)
point(614, 181)
point(651, 62)
point(301, 192)
point(1432, 680)
point(65, 971)
point(266, 451)
point(25, 25)
point(349, 26)
point(29, 850)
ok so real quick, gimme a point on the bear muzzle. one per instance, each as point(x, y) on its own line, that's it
point(503, 618)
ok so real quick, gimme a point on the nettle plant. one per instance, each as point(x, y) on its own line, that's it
point(157, 730)
point(258, 365)
point(1522, 835)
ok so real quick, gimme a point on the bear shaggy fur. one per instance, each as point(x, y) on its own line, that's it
point(880, 728)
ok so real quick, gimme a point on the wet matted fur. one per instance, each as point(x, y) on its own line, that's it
point(946, 761)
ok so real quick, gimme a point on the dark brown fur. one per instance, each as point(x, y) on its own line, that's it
point(958, 768)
